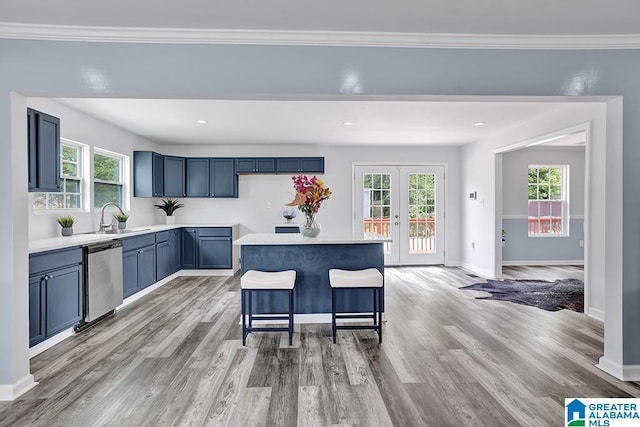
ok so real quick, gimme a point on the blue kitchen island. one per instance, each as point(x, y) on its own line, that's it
point(312, 258)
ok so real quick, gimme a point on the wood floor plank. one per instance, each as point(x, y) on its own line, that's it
point(175, 357)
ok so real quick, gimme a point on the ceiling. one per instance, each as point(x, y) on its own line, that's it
point(317, 121)
point(373, 122)
point(541, 17)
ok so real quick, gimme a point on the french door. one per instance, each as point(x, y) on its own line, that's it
point(405, 203)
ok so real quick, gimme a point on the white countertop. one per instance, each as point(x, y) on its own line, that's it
point(287, 224)
point(259, 239)
point(52, 243)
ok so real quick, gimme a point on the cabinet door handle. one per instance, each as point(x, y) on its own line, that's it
point(140, 251)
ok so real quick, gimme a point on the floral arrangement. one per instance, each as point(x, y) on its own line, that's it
point(310, 193)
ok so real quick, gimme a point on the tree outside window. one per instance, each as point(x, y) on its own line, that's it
point(70, 195)
point(107, 179)
point(547, 200)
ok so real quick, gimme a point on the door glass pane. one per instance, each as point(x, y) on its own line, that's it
point(377, 205)
point(422, 213)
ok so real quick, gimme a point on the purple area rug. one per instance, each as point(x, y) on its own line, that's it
point(550, 296)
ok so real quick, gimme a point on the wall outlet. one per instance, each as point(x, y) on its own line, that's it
point(268, 205)
point(581, 243)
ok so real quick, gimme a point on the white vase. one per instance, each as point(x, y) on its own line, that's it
point(171, 220)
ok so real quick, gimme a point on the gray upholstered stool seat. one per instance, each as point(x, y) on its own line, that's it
point(257, 281)
point(369, 278)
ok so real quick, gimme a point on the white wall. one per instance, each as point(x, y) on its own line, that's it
point(250, 209)
point(514, 176)
point(481, 223)
point(88, 130)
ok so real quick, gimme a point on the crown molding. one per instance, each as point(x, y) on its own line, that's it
point(10, 30)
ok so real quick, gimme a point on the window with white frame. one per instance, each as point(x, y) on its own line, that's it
point(70, 195)
point(108, 178)
point(548, 200)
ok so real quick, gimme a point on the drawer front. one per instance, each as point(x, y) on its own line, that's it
point(162, 236)
point(214, 232)
point(131, 243)
point(53, 260)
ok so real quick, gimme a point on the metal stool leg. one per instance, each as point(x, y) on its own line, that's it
point(375, 307)
point(333, 313)
point(291, 317)
point(250, 294)
point(380, 293)
point(242, 309)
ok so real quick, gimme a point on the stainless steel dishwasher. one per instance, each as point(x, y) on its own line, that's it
point(102, 280)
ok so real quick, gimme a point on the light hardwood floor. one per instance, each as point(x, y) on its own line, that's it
point(175, 358)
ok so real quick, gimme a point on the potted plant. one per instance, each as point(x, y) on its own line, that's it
point(122, 220)
point(169, 206)
point(66, 222)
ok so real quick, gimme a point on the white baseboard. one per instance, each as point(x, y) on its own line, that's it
point(621, 372)
point(20, 387)
point(228, 272)
point(47, 344)
point(595, 313)
point(308, 318)
point(475, 270)
point(545, 262)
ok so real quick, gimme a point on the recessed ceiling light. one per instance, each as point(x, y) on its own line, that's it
point(348, 123)
point(202, 122)
point(478, 124)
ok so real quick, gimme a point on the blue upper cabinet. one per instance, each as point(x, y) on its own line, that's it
point(198, 177)
point(223, 178)
point(174, 173)
point(256, 165)
point(300, 165)
point(148, 174)
point(43, 133)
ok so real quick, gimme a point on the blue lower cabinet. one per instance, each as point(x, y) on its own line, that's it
point(138, 263)
point(162, 260)
point(138, 269)
point(214, 252)
point(55, 292)
point(147, 266)
point(175, 250)
point(37, 314)
point(63, 289)
point(214, 247)
point(189, 248)
point(206, 248)
point(130, 273)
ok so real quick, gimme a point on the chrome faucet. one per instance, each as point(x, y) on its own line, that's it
point(103, 226)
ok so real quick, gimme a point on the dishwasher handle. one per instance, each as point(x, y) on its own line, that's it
point(103, 246)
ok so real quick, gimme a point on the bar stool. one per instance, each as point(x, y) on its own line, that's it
point(369, 278)
point(261, 281)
